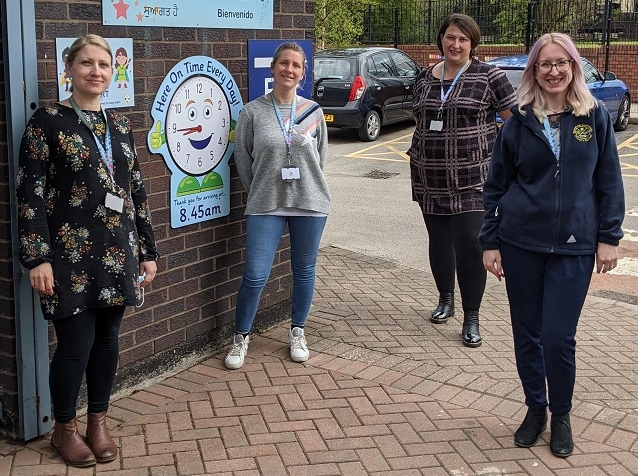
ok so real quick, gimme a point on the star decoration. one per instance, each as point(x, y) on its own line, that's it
point(120, 9)
point(307, 138)
point(139, 17)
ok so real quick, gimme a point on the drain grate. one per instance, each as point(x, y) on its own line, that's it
point(378, 174)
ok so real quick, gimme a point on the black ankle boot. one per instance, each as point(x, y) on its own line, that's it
point(444, 310)
point(533, 425)
point(561, 443)
point(470, 333)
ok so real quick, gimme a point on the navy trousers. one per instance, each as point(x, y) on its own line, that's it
point(546, 294)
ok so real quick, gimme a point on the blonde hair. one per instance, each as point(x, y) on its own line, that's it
point(81, 42)
point(579, 99)
point(289, 46)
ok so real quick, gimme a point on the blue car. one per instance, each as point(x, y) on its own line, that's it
point(611, 91)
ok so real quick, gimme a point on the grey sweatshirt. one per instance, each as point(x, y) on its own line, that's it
point(260, 154)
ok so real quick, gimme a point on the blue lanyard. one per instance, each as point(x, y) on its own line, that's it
point(444, 95)
point(550, 137)
point(286, 132)
point(106, 151)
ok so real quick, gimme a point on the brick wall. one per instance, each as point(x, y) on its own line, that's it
point(622, 59)
point(189, 308)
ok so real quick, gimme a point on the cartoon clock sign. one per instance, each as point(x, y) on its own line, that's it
point(194, 116)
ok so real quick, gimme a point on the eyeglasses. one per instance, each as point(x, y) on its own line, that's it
point(561, 66)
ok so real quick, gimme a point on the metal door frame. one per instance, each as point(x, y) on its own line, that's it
point(32, 337)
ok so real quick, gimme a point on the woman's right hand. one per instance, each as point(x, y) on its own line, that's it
point(41, 278)
point(492, 263)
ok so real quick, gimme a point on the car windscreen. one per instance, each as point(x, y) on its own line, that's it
point(514, 75)
point(343, 69)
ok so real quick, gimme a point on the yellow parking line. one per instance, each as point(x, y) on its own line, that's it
point(628, 142)
point(630, 145)
point(363, 153)
point(376, 152)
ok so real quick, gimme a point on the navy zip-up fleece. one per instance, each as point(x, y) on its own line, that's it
point(545, 205)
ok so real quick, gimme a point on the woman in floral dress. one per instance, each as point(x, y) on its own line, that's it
point(86, 239)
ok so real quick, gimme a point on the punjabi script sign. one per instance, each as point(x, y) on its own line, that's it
point(236, 14)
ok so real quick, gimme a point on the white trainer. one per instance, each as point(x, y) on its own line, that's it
point(298, 346)
point(237, 352)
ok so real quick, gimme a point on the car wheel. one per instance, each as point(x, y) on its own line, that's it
point(622, 121)
point(371, 127)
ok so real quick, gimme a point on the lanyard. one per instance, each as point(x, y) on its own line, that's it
point(550, 137)
point(444, 95)
point(106, 150)
point(291, 122)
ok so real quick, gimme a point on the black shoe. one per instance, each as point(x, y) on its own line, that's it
point(470, 333)
point(533, 425)
point(561, 443)
point(444, 310)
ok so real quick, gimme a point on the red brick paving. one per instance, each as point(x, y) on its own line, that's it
point(384, 393)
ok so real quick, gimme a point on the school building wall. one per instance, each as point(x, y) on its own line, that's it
point(189, 308)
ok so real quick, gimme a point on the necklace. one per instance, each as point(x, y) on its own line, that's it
point(556, 111)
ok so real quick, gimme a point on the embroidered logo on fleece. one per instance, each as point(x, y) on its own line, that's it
point(583, 132)
point(571, 239)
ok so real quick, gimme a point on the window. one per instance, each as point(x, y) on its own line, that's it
point(380, 65)
point(591, 73)
point(404, 64)
point(335, 68)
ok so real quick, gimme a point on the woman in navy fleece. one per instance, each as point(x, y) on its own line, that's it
point(554, 206)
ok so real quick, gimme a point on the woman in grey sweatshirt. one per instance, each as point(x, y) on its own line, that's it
point(280, 151)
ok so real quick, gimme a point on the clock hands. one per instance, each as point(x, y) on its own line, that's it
point(190, 130)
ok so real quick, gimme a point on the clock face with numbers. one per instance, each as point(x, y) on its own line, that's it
point(198, 125)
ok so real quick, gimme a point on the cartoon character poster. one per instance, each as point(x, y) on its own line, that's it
point(120, 92)
point(194, 116)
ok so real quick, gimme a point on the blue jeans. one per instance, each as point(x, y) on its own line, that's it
point(263, 233)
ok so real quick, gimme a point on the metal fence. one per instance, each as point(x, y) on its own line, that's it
point(515, 22)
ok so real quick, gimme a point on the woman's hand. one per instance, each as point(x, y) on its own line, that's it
point(148, 269)
point(606, 257)
point(41, 278)
point(492, 263)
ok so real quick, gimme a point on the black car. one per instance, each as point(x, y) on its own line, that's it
point(364, 88)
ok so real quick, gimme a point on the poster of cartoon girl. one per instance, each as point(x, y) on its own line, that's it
point(121, 68)
point(65, 79)
point(123, 73)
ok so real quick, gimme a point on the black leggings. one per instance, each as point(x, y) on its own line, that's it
point(454, 248)
point(87, 343)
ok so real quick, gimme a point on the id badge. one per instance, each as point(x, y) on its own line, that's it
point(290, 173)
point(436, 125)
point(114, 202)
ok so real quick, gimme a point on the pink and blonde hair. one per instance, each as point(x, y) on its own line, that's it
point(578, 98)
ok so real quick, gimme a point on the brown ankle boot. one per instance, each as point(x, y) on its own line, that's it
point(98, 438)
point(68, 443)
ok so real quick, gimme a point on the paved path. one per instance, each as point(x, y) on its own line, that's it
point(384, 393)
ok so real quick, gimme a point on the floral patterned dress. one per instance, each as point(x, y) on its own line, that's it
point(62, 186)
